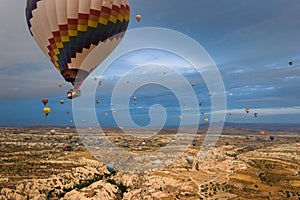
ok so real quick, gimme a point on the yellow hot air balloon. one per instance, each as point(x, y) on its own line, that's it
point(69, 32)
point(134, 98)
point(60, 84)
point(46, 110)
point(206, 120)
point(138, 17)
point(62, 101)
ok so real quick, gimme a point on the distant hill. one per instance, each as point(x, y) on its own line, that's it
point(266, 126)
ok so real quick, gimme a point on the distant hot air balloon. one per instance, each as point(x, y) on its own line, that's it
point(272, 137)
point(62, 101)
point(68, 32)
point(190, 159)
point(247, 110)
point(97, 101)
point(52, 132)
point(106, 114)
point(110, 167)
point(193, 84)
point(138, 17)
point(230, 113)
point(134, 102)
point(60, 84)
point(134, 98)
point(255, 114)
point(200, 103)
point(261, 132)
point(67, 112)
point(206, 120)
point(46, 111)
point(115, 112)
point(290, 63)
point(95, 78)
point(45, 101)
point(70, 136)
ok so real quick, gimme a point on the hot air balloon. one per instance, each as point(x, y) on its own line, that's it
point(62, 101)
point(115, 112)
point(110, 167)
point(69, 32)
point(247, 110)
point(95, 78)
point(272, 137)
point(138, 17)
point(106, 114)
point(60, 84)
point(206, 120)
point(52, 132)
point(134, 102)
point(70, 136)
point(46, 111)
point(290, 63)
point(261, 132)
point(97, 101)
point(255, 114)
point(67, 112)
point(45, 101)
point(230, 113)
point(134, 98)
point(190, 159)
point(193, 84)
point(200, 103)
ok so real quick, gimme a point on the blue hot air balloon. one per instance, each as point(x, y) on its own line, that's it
point(255, 114)
point(272, 137)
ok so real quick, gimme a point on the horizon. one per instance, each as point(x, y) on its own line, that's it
point(251, 47)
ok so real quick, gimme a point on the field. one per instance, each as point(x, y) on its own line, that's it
point(242, 165)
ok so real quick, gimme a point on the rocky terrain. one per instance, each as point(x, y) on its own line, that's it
point(36, 164)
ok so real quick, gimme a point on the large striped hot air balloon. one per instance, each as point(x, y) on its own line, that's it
point(70, 31)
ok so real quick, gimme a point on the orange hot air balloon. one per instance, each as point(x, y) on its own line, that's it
point(134, 102)
point(45, 101)
point(247, 110)
point(261, 132)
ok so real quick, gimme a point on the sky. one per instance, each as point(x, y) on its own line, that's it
point(251, 43)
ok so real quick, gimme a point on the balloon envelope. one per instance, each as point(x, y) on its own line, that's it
point(46, 111)
point(190, 159)
point(247, 110)
point(110, 167)
point(138, 17)
point(52, 132)
point(45, 101)
point(67, 31)
point(206, 120)
point(272, 137)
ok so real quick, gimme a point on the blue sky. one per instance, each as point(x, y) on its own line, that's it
point(251, 43)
